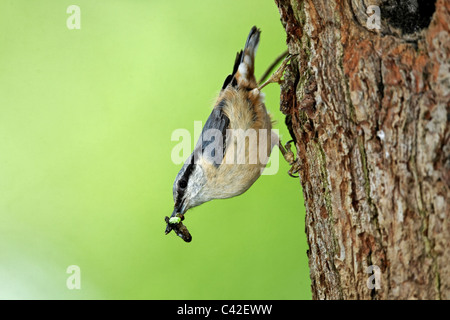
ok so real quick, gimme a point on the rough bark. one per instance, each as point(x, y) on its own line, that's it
point(368, 110)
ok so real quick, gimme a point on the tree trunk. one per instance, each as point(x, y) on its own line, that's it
point(368, 110)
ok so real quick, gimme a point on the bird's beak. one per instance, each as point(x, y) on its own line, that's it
point(175, 211)
point(180, 208)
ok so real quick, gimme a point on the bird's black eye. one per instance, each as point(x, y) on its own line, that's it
point(182, 184)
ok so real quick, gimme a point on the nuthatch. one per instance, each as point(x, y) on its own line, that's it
point(213, 170)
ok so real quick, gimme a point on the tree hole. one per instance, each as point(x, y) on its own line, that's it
point(409, 16)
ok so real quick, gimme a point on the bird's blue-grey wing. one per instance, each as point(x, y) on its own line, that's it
point(212, 143)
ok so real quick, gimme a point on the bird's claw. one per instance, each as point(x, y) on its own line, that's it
point(278, 74)
point(290, 158)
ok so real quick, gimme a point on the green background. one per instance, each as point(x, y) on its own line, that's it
point(86, 118)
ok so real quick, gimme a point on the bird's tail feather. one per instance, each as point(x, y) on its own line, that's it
point(245, 75)
point(244, 64)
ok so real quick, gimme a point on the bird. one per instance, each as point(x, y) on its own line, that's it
point(234, 145)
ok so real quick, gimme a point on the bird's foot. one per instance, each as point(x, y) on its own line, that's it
point(290, 158)
point(278, 74)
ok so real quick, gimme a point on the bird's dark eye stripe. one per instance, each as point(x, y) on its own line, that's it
point(182, 184)
point(181, 189)
point(189, 170)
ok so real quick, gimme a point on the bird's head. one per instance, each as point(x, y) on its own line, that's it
point(187, 187)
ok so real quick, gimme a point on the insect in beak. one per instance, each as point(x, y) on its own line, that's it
point(175, 223)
